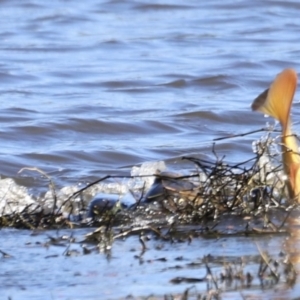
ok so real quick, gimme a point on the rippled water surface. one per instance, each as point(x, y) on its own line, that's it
point(95, 87)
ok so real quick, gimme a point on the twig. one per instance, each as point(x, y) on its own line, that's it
point(240, 134)
point(137, 229)
point(51, 183)
point(263, 256)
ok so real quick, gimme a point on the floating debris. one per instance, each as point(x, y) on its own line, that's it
point(253, 190)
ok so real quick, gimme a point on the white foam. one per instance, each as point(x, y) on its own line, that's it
point(123, 187)
point(144, 174)
point(14, 198)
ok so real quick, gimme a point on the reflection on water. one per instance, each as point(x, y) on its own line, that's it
point(54, 268)
point(292, 243)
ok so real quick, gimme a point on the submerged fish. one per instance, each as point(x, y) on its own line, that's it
point(276, 101)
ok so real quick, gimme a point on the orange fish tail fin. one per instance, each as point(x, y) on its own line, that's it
point(277, 100)
point(294, 180)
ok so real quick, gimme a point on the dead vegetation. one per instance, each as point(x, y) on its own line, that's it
point(217, 199)
point(252, 190)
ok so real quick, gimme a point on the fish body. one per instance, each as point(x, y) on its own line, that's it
point(276, 101)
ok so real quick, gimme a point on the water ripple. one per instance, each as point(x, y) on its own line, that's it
point(95, 86)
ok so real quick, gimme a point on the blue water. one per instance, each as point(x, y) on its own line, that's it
point(88, 88)
point(95, 88)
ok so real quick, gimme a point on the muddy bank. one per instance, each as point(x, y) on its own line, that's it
point(57, 265)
